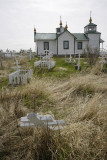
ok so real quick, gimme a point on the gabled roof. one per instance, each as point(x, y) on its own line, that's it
point(45, 36)
point(64, 32)
point(81, 36)
point(53, 36)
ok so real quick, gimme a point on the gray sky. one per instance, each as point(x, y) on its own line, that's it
point(18, 18)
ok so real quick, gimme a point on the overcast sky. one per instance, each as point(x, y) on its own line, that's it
point(18, 18)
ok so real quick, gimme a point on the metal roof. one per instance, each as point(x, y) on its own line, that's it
point(101, 40)
point(45, 36)
point(81, 36)
point(93, 32)
point(52, 36)
point(91, 24)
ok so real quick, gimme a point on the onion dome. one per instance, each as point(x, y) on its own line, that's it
point(90, 20)
point(66, 27)
point(34, 29)
point(60, 21)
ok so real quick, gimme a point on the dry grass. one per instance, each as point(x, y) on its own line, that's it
point(81, 101)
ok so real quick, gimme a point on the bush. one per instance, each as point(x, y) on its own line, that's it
point(91, 54)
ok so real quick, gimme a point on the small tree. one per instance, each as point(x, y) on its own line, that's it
point(1, 51)
point(91, 55)
point(0, 62)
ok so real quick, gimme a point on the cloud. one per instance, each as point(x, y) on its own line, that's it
point(18, 17)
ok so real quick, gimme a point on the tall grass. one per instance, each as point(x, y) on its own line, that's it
point(80, 100)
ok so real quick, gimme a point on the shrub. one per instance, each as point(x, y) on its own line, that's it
point(91, 54)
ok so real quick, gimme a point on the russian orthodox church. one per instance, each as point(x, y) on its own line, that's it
point(64, 42)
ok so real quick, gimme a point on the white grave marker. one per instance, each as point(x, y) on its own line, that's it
point(79, 62)
point(20, 77)
point(44, 121)
point(70, 59)
point(30, 54)
point(45, 62)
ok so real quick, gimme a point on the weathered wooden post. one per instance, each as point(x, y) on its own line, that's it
point(65, 57)
point(46, 51)
point(13, 53)
point(17, 64)
point(40, 56)
point(30, 54)
point(70, 59)
point(78, 67)
point(0, 62)
point(1, 56)
point(102, 60)
point(79, 62)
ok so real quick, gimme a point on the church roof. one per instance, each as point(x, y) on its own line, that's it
point(45, 36)
point(64, 32)
point(52, 36)
point(91, 24)
point(101, 40)
point(81, 36)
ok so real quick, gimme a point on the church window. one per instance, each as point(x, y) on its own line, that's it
point(46, 45)
point(79, 45)
point(66, 45)
point(90, 28)
point(58, 29)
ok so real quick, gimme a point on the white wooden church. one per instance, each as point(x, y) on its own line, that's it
point(64, 42)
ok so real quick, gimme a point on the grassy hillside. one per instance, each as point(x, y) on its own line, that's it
point(80, 98)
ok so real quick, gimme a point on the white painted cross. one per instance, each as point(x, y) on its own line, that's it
point(102, 61)
point(70, 58)
point(46, 61)
point(17, 64)
point(40, 56)
point(79, 62)
point(20, 76)
point(30, 54)
point(46, 51)
point(43, 121)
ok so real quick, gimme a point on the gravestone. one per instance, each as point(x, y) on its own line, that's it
point(20, 77)
point(17, 67)
point(30, 54)
point(45, 61)
point(43, 121)
point(70, 59)
point(78, 67)
point(103, 61)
